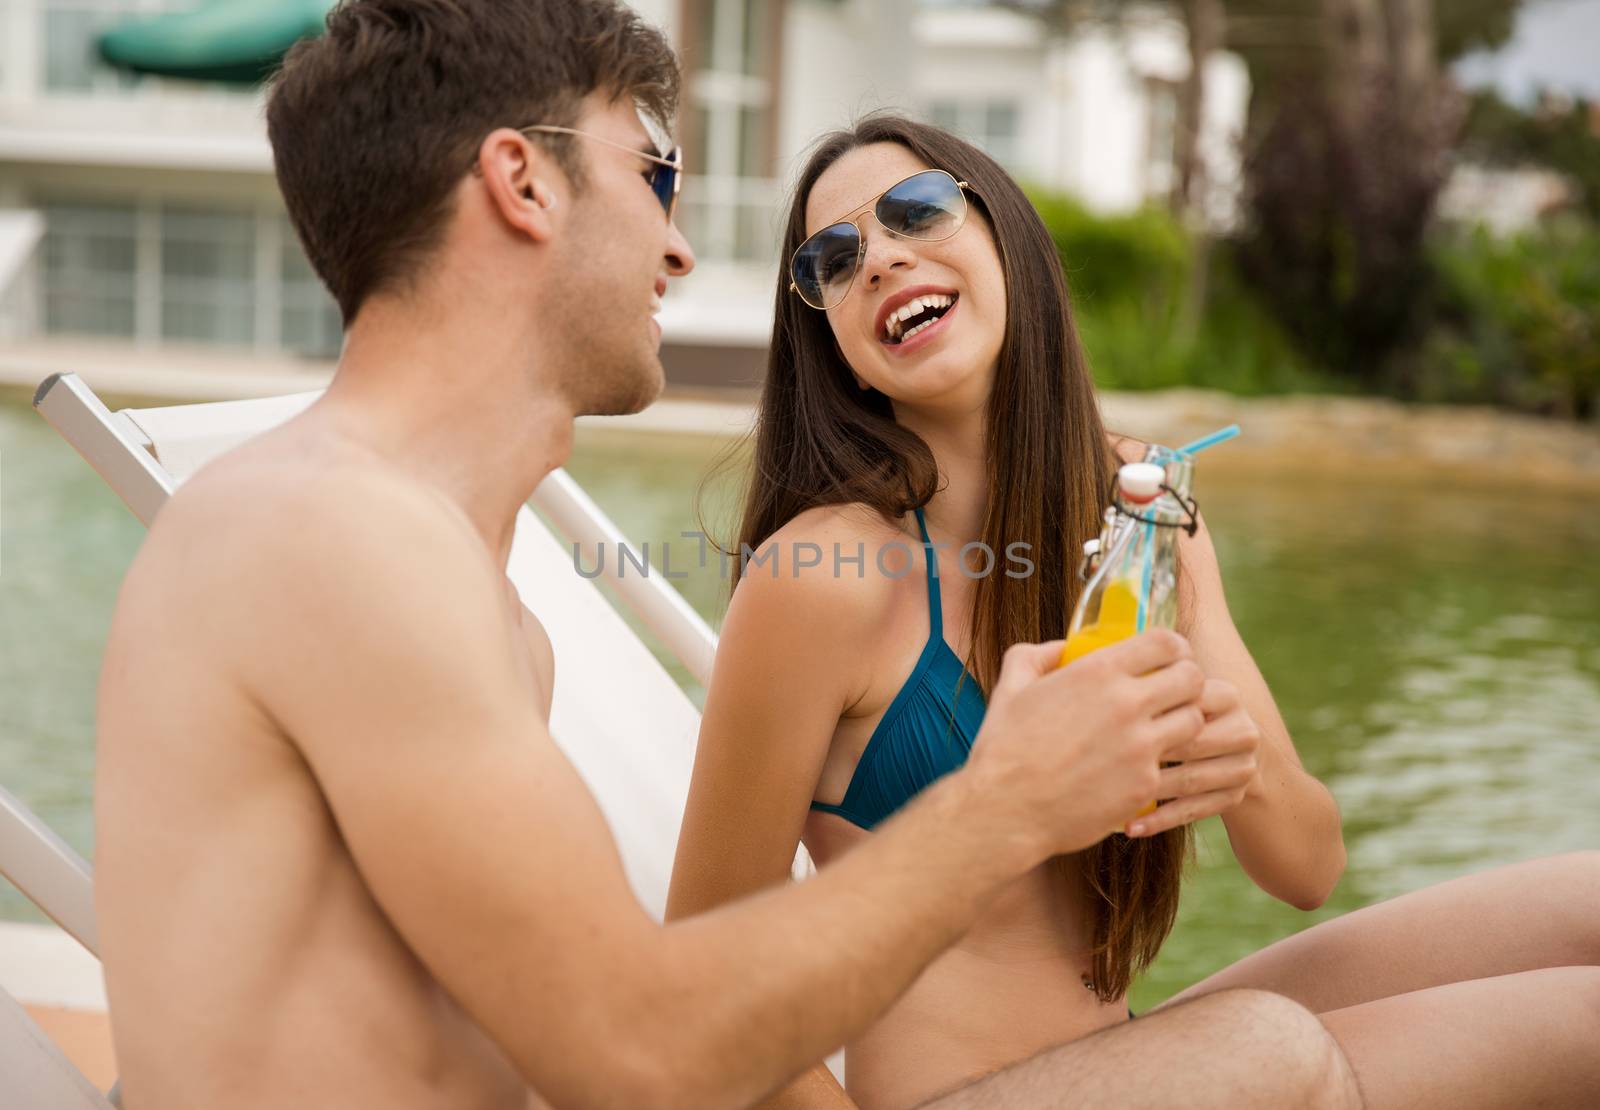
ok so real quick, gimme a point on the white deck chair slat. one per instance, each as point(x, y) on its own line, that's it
point(108, 442)
point(662, 609)
point(48, 872)
point(34, 1074)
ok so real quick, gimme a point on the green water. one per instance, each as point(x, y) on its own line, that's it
point(1435, 653)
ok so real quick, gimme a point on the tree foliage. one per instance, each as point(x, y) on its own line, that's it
point(1565, 136)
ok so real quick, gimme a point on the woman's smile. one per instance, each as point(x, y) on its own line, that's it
point(921, 334)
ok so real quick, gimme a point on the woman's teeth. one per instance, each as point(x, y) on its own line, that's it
point(938, 303)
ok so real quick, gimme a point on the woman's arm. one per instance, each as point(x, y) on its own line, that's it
point(1285, 833)
point(787, 667)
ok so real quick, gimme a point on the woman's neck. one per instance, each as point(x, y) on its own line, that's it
point(958, 443)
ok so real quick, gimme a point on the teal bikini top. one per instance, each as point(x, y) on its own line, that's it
point(927, 731)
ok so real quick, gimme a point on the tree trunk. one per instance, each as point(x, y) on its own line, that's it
point(1204, 22)
point(1355, 57)
point(1413, 58)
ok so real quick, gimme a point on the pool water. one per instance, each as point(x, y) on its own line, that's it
point(1435, 651)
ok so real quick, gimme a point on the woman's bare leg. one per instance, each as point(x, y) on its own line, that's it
point(1236, 1050)
point(1544, 913)
point(1514, 1041)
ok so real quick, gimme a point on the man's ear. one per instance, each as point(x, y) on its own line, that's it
point(519, 179)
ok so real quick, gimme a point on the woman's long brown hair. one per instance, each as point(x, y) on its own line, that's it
point(822, 440)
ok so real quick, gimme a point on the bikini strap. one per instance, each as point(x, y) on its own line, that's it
point(935, 608)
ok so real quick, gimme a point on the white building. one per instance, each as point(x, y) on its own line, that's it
point(1507, 200)
point(163, 238)
point(1093, 115)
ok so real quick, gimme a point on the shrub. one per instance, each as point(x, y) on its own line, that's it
point(1130, 277)
point(1517, 321)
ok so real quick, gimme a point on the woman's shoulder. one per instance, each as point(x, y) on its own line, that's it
point(831, 565)
point(847, 523)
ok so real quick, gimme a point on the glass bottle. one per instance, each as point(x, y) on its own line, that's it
point(1133, 570)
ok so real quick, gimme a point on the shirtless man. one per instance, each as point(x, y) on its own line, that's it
point(341, 862)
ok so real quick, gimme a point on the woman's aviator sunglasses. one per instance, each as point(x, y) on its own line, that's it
point(666, 174)
point(927, 206)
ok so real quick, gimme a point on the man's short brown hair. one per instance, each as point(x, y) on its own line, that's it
point(373, 124)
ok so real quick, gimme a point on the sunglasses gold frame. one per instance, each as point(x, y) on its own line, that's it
point(852, 218)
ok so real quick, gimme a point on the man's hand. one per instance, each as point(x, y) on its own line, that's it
point(1212, 773)
point(1073, 751)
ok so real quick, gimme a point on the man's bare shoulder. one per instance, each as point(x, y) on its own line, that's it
point(276, 525)
point(265, 499)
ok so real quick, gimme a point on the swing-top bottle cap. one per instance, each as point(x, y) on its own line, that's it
point(1141, 482)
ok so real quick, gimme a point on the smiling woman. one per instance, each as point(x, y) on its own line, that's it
point(926, 389)
point(919, 230)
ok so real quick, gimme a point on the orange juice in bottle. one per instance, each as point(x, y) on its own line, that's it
point(1132, 568)
point(1116, 601)
point(1117, 620)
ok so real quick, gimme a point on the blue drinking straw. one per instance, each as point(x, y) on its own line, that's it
point(1148, 571)
point(1220, 436)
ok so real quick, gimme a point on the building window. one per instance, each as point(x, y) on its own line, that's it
point(310, 320)
point(1161, 138)
point(89, 276)
point(70, 30)
point(208, 290)
point(995, 126)
point(231, 278)
point(730, 141)
point(71, 27)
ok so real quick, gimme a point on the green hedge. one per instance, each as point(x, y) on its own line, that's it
point(1511, 322)
point(1130, 279)
point(1518, 320)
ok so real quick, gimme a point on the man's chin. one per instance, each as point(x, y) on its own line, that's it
point(621, 401)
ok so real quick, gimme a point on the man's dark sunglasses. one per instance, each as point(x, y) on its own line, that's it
point(666, 176)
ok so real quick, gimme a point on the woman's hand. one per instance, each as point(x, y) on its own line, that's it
point(1229, 729)
point(1215, 771)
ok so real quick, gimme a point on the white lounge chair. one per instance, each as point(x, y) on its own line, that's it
point(616, 711)
point(56, 879)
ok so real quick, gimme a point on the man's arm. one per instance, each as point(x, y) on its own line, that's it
point(381, 649)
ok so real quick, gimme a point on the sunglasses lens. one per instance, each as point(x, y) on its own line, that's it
point(929, 205)
point(665, 183)
point(825, 264)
